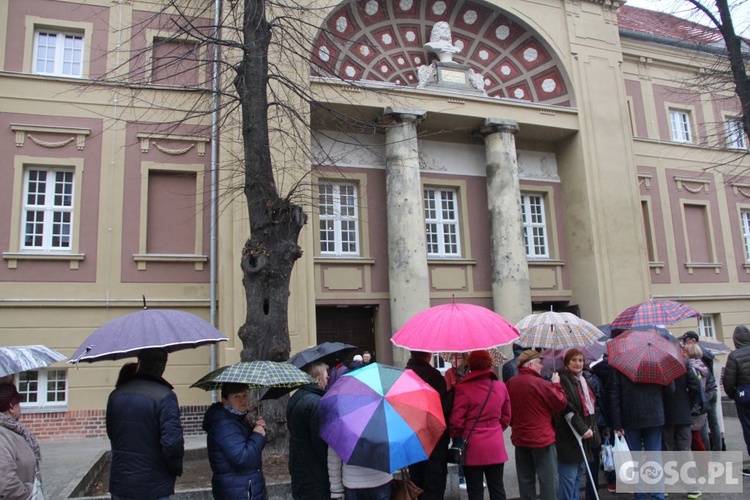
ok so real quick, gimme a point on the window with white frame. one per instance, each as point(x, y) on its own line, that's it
point(745, 221)
point(680, 121)
point(43, 388)
point(47, 209)
point(58, 53)
point(735, 134)
point(534, 226)
point(339, 218)
point(441, 222)
point(706, 326)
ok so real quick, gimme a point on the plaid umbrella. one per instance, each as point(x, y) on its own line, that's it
point(257, 374)
point(652, 313)
point(22, 358)
point(646, 357)
point(498, 358)
point(556, 330)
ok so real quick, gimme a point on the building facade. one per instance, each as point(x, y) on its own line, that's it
point(559, 154)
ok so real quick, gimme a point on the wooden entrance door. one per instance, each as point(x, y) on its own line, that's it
point(352, 325)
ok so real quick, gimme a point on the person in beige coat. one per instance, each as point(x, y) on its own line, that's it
point(20, 456)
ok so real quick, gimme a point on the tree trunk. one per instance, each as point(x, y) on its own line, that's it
point(275, 223)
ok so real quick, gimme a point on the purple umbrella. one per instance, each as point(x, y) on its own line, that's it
point(124, 337)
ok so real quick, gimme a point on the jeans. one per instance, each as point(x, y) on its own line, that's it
point(645, 439)
point(382, 492)
point(743, 413)
point(537, 462)
point(494, 475)
point(570, 475)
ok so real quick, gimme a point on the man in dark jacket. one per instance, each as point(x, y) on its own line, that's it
point(431, 475)
point(737, 374)
point(534, 402)
point(143, 426)
point(308, 453)
point(637, 412)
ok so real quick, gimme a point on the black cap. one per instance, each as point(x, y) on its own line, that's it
point(690, 334)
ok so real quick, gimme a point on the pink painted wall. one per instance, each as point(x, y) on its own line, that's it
point(734, 199)
point(678, 96)
point(16, 31)
point(634, 91)
point(675, 198)
point(654, 194)
point(161, 272)
point(53, 271)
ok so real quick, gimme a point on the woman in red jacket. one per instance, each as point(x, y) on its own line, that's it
point(483, 424)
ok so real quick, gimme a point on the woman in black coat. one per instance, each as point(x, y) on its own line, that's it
point(235, 446)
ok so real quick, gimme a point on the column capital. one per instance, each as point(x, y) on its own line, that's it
point(496, 125)
point(393, 116)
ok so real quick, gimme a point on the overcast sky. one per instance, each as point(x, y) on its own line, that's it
point(682, 8)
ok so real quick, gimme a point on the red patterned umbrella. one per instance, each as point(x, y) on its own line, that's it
point(645, 356)
point(652, 313)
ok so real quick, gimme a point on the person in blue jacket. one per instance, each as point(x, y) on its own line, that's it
point(235, 446)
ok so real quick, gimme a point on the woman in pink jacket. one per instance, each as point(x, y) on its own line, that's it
point(485, 448)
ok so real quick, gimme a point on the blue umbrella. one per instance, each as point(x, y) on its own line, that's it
point(147, 329)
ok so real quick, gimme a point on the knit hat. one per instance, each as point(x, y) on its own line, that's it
point(479, 360)
point(8, 396)
point(357, 357)
point(527, 356)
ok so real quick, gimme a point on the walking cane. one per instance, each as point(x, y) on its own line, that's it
point(579, 438)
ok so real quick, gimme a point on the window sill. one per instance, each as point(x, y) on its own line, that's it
point(14, 257)
point(716, 266)
point(545, 262)
point(657, 266)
point(39, 410)
point(451, 261)
point(143, 258)
point(746, 266)
point(344, 260)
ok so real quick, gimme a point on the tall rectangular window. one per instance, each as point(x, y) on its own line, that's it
point(680, 122)
point(735, 134)
point(534, 226)
point(707, 326)
point(699, 239)
point(58, 53)
point(745, 221)
point(47, 209)
point(339, 219)
point(43, 388)
point(441, 223)
point(649, 231)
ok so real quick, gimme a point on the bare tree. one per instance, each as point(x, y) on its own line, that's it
point(731, 68)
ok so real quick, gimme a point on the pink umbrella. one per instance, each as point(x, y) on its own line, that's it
point(455, 328)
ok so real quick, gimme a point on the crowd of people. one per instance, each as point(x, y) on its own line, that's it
point(558, 422)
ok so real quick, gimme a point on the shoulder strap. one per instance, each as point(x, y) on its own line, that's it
point(481, 410)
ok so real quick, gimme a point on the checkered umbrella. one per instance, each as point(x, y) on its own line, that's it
point(256, 374)
point(556, 330)
point(652, 313)
point(646, 357)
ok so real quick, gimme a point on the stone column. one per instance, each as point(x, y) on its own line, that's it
point(407, 246)
point(511, 288)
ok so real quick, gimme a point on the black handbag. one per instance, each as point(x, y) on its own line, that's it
point(457, 451)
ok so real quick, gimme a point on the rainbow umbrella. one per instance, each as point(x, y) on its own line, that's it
point(381, 417)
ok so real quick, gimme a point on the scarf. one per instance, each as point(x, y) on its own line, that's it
point(233, 411)
point(14, 425)
point(587, 400)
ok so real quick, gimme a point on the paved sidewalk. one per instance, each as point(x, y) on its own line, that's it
point(66, 463)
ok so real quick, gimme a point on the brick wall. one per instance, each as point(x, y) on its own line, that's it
point(83, 424)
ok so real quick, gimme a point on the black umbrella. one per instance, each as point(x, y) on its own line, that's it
point(327, 352)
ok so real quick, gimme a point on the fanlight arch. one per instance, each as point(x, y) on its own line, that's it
point(382, 41)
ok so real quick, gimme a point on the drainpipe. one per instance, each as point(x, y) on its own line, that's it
point(212, 257)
